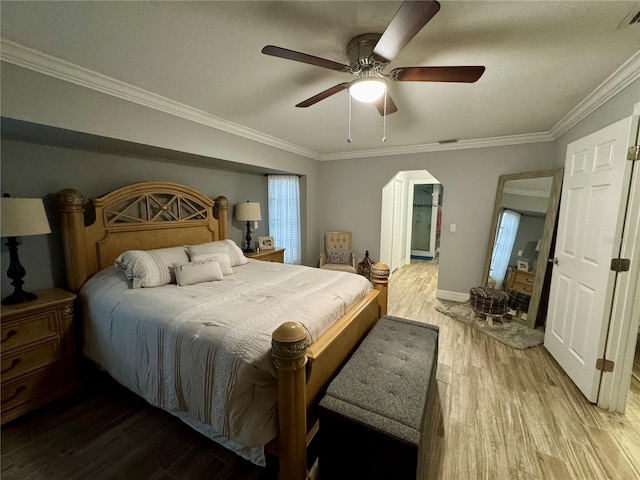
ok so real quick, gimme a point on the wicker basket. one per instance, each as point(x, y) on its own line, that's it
point(518, 300)
point(488, 301)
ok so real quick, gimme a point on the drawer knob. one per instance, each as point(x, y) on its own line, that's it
point(15, 362)
point(19, 390)
point(10, 334)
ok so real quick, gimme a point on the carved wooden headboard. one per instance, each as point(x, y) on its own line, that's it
point(141, 216)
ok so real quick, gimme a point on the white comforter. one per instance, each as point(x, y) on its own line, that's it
point(202, 352)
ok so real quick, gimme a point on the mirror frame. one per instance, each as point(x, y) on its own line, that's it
point(547, 234)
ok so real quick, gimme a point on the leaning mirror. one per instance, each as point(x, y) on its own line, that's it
point(521, 237)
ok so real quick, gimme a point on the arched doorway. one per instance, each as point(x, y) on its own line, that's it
point(402, 224)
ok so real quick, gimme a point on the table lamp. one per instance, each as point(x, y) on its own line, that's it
point(20, 217)
point(248, 212)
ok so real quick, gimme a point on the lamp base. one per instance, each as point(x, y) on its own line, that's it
point(19, 296)
point(16, 273)
point(248, 248)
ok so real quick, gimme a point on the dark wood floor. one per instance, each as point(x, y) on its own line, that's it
point(107, 432)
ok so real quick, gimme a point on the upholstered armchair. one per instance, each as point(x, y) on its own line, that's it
point(337, 254)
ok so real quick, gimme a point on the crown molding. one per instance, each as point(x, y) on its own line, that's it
point(39, 62)
point(438, 147)
point(616, 82)
point(525, 192)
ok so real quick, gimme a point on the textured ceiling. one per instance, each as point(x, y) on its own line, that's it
point(542, 59)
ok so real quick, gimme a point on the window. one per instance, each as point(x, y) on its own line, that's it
point(284, 215)
point(505, 238)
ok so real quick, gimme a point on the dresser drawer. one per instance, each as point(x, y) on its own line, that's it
point(29, 329)
point(29, 387)
point(523, 286)
point(30, 358)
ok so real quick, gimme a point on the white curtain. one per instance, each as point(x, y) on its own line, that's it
point(284, 215)
point(503, 245)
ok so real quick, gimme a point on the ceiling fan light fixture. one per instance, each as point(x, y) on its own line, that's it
point(368, 89)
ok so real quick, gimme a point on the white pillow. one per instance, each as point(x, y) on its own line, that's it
point(191, 273)
point(236, 256)
point(221, 257)
point(151, 268)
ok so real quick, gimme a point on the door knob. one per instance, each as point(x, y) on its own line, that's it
point(553, 260)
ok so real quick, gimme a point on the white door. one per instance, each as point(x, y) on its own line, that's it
point(594, 193)
point(397, 213)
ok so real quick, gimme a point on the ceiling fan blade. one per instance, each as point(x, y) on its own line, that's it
point(304, 58)
point(466, 74)
point(407, 22)
point(391, 106)
point(322, 95)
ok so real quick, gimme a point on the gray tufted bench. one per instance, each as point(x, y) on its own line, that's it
point(373, 417)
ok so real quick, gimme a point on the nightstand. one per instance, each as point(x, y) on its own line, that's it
point(38, 352)
point(276, 255)
point(521, 281)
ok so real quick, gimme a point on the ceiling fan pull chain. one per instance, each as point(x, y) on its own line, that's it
point(384, 119)
point(349, 132)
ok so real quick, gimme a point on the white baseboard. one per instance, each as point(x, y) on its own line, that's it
point(453, 296)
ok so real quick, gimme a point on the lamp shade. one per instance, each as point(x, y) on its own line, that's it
point(23, 216)
point(248, 212)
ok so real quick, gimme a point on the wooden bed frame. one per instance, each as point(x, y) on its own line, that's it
point(153, 215)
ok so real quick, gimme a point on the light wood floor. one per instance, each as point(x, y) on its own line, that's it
point(507, 414)
point(514, 414)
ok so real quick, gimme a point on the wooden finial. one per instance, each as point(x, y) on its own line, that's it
point(380, 279)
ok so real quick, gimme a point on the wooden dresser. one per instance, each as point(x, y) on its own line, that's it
point(521, 281)
point(38, 352)
point(276, 255)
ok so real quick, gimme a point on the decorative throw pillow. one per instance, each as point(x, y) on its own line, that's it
point(199, 254)
point(151, 268)
point(192, 273)
point(338, 256)
point(236, 256)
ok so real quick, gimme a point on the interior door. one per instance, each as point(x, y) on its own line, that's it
point(397, 213)
point(594, 194)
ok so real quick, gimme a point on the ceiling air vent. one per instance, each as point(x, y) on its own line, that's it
point(632, 18)
point(448, 140)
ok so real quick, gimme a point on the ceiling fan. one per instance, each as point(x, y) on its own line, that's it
point(370, 53)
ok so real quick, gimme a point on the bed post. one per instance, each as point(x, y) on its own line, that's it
point(71, 206)
point(380, 280)
point(289, 348)
point(220, 209)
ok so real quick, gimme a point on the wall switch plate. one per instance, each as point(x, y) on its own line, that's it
point(452, 227)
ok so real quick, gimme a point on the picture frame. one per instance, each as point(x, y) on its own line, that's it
point(266, 243)
point(522, 265)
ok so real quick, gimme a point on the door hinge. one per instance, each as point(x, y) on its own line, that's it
point(633, 153)
point(620, 264)
point(604, 365)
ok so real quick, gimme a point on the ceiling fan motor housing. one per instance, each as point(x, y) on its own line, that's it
point(360, 52)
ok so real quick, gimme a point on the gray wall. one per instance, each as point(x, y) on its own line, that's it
point(344, 194)
point(529, 232)
point(352, 200)
point(617, 108)
point(28, 96)
point(39, 171)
